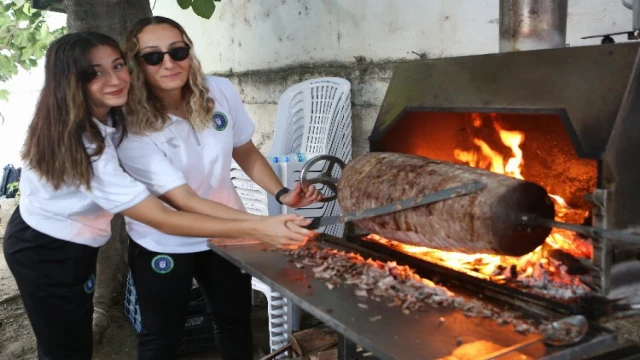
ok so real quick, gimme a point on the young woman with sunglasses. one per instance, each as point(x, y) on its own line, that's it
point(71, 186)
point(186, 128)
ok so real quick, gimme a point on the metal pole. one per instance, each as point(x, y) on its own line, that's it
point(532, 24)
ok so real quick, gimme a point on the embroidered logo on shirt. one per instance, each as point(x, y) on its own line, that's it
point(162, 264)
point(90, 285)
point(172, 142)
point(220, 121)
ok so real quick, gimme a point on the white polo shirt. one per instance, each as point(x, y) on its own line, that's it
point(179, 155)
point(74, 213)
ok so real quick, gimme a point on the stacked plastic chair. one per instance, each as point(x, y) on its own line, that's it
point(313, 118)
point(254, 198)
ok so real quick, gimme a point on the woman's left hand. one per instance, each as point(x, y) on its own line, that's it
point(297, 198)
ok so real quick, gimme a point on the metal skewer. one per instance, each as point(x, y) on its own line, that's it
point(592, 232)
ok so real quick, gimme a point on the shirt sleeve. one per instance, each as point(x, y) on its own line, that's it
point(143, 160)
point(112, 188)
point(243, 126)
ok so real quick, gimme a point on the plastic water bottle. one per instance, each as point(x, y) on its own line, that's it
point(298, 157)
point(295, 157)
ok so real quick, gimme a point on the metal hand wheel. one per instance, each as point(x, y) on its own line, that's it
point(325, 178)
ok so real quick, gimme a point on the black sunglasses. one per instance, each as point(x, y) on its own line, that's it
point(156, 57)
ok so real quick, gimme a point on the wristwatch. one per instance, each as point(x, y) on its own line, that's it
point(279, 194)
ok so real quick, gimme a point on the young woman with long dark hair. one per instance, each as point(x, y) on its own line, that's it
point(71, 186)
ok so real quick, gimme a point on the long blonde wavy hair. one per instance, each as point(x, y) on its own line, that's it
point(145, 110)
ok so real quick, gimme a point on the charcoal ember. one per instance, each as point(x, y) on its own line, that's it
point(513, 271)
point(299, 265)
point(572, 264)
point(361, 293)
point(497, 272)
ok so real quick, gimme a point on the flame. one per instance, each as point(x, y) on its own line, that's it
point(532, 267)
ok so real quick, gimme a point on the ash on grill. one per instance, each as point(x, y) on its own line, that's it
point(380, 281)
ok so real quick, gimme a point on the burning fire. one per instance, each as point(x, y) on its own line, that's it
point(535, 269)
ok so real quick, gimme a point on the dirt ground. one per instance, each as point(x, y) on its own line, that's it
point(119, 342)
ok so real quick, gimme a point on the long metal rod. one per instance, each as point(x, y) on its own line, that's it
point(416, 201)
point(396, 206)
point(593, 232)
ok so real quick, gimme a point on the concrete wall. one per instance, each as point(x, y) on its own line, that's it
point(268, 45)
point(260, 34)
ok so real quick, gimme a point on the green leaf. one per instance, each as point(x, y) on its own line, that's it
point(25, 34)
point(4, 95)
point(27, 9)
point(21, 38)
point(44, 30)
point(26, 54)
point(6, 64)
point(184, 4)
point(39, 50)
point(203, 8)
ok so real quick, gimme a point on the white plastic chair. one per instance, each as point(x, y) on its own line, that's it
point(313, 118)
point(253, 197)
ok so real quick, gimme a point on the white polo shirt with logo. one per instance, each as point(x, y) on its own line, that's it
point(179, 155)
point(78, 214)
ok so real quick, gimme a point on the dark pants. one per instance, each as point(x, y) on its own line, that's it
point(56, 279)
point(163, 282)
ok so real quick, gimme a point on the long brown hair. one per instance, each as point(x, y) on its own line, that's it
point(55, 146)
point(145, 111)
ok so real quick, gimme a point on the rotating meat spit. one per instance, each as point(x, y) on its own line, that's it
point(529, 221)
